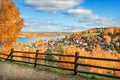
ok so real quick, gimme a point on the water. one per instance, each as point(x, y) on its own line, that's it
point(23, 40)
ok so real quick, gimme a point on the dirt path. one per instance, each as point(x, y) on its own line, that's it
point(10, 71)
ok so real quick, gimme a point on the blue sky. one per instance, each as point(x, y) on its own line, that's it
point(68, 15)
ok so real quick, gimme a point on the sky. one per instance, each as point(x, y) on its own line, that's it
point(68, 15)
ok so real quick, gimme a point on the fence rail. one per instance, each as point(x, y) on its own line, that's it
point(75, 63)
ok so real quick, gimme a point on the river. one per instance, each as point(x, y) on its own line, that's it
point(23, 40)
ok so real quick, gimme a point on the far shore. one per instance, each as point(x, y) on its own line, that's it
point(39, 34)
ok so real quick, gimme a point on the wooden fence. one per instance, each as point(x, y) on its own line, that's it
point(75, 63)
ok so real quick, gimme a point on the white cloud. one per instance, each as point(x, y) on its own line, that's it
point(87, 17)
point(44, 25)
point(52, 5)
point(80, 12)
point(33, 24)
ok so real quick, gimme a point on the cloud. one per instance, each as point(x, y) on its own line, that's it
point(52, 5)
point(79, 12)
point(87, 17)
point(48, 25)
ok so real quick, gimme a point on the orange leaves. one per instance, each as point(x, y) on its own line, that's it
point(117, 30)
point(10, 23)
point(115, 39)
point(117, 73)
point(111, 30)
point(39, 42)
point(68, 50)
point(107, 38)
point(98, 52)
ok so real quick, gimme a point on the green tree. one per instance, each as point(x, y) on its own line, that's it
point(50, 57)
point(59, 49)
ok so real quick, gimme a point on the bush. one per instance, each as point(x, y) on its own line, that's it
point(49, 51)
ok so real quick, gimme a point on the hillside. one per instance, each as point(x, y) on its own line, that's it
point(100, 43)
point(107, 38)
point(112, 30)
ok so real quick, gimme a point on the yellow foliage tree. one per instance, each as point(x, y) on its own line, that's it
point(68, 50)
point(102, 54)
point(10, 24)
point(107, 38)
point(98, 52)
point(117, 73)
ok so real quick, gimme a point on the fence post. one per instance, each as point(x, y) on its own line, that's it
point(35, 64)
point(12, 50)
point(11, 55)
point(75, 63)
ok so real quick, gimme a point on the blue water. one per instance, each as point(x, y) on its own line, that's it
point(23, 40)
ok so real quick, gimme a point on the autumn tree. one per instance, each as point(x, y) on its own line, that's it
point(10, 24)
point(68, 50)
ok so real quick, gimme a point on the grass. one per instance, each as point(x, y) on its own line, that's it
point(58, 71)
